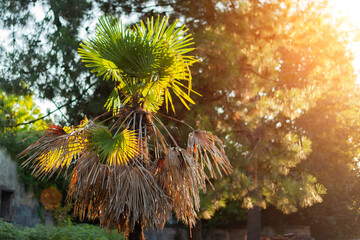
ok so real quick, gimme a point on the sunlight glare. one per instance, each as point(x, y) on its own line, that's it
point(350, 9)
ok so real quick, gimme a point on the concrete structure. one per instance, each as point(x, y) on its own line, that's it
point(16, 205)
point(228, 233)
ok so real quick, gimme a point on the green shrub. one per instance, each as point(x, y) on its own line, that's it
point(9, 231)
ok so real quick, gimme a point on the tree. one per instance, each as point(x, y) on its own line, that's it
point(334, 162)
point(332, 126)
point(251, 68)
point(264, 65)
point(14, 112)
point(44, 62)
point(127, 173)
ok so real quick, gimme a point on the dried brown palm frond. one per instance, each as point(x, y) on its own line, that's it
point(117, 195)
point(56, 149)
point(119, 176)
point(208, 149)
point(157, 120)
point(181, 176)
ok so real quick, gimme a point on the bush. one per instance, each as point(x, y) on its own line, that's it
point(9, 231)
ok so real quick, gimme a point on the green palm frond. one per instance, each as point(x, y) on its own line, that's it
point(146, 59)
point(113, 103)
point(115, 149)
point(152, 97)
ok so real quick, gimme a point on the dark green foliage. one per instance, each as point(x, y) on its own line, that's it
point(231, 215)
point(9, 231)
point(335, 137)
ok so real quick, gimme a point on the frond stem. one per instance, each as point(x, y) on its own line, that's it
point(117, 131)
point(158, 120)
point(177, 120)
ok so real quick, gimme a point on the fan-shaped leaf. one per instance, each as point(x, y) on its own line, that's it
point(137, 58)
point(114, 150)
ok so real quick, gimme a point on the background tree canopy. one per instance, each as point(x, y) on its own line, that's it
point(14, 112)
point(276, 80)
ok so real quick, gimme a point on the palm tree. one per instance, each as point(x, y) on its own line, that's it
point(125, 166)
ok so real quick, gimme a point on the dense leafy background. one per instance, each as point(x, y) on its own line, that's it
point(270, 71)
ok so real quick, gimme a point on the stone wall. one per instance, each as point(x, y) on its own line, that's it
point(24, 206)
point(170, 233)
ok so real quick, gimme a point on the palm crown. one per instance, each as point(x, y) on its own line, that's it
point(145, 62)
point(128, 168)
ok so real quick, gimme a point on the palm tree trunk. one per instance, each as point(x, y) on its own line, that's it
point(196, 231)
point(138, 232)
point(254, 223)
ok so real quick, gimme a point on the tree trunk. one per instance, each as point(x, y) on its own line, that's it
point(137, 233)
point(196, 231)
point(254, 223)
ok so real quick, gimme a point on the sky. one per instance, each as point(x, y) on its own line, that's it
point(348, 7)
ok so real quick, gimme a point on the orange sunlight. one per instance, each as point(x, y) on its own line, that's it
point(350, 10)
